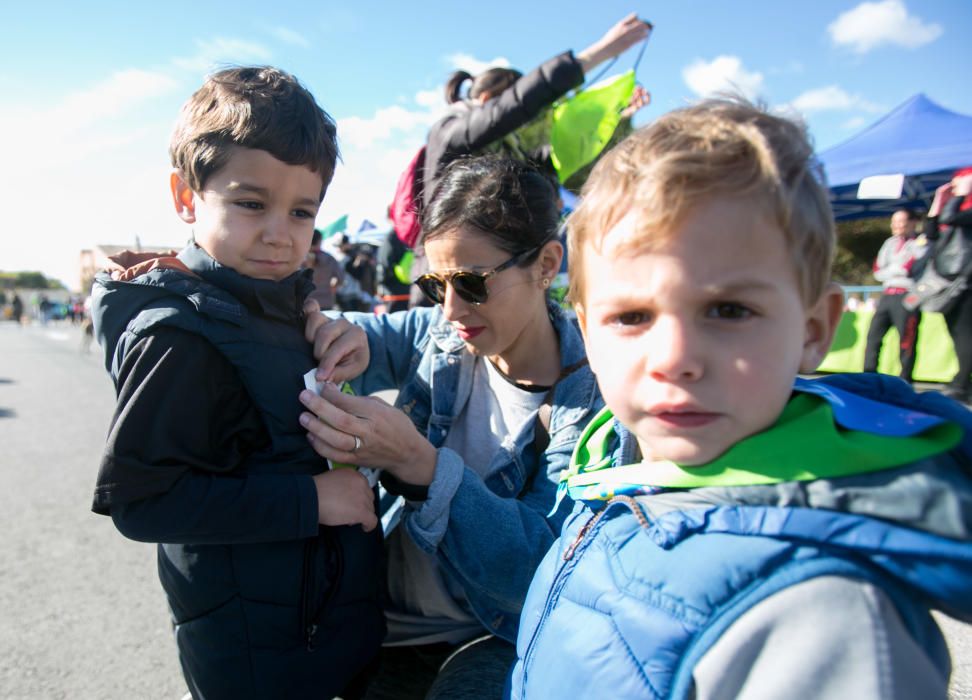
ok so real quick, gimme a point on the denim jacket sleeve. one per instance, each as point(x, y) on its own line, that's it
point(395, 343)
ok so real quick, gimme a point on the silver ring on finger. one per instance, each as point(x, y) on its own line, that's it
point(357, 443)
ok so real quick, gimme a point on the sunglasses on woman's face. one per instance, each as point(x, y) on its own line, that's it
point(468, 286)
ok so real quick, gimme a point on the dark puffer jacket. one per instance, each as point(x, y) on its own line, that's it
point(253, 618)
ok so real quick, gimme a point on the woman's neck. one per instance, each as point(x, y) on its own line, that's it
point(535, 356)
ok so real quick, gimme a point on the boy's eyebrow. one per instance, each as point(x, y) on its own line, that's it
point(636, 295)
point(264, 192)
point(739, 286)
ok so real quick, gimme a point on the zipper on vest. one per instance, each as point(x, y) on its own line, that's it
point(330, 544)
point(571, 558)
point(307, 626)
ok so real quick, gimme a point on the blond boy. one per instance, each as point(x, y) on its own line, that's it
point(739, 531)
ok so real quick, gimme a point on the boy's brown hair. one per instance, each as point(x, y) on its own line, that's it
point(717, 147)
point(257, 107)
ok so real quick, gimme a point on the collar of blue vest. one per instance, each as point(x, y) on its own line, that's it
point(823, 432)
point(282, 300)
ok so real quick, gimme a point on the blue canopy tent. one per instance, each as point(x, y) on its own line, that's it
point(919, 139)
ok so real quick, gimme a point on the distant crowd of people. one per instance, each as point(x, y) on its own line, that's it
point(42, 308)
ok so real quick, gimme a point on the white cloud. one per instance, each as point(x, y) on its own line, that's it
point(363, 131)
point(723, 73)
point(854, 123)
point(872, 24)
point(365, 180)
point(832, 98)
point(374, 152)
point(289, 36)
point(430, 99)
point(116, 95)
point(90, 167)
point(81, 123)
point(219, 51)
point(473, 65)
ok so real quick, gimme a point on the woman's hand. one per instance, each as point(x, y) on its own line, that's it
point(386, 437)
point(340, 347)
point(639, 98)
point(619, 38)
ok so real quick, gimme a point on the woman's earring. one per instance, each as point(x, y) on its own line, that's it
point(546, 282)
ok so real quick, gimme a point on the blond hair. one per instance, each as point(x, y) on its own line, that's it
point(718, 147)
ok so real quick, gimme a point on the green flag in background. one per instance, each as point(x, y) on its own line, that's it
point(583, 124)
point(339, 225)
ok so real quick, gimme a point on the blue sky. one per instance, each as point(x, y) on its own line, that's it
point(88, 96)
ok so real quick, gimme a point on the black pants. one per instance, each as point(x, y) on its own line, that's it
point(473, 671)
point(959, 322)
point(890, 311)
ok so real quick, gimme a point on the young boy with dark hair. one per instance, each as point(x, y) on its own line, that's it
point(269, 561)
point(740, 532)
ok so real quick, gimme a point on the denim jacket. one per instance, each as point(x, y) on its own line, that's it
point(490, 534)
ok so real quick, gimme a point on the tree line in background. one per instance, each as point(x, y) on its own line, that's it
point(27, 280)
point(858, 243)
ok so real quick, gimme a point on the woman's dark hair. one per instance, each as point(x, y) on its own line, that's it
point(512, 203)
point(494, 81)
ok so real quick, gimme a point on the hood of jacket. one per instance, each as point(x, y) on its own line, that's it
point(134, 281)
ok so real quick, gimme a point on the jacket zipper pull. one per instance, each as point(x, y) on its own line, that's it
point(626, 500)
point(582, 533)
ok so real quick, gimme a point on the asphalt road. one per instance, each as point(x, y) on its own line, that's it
point(82, 612)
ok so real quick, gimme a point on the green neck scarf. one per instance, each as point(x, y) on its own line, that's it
point(804, 444)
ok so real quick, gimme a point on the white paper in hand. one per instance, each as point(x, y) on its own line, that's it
point(310, 381)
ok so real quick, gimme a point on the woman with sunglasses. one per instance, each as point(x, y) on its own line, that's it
point(467, 443)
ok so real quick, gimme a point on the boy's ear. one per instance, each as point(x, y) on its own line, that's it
point(822, 321)
point(581, 320)
point(183, 197)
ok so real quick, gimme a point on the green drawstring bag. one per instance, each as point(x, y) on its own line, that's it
point(584, 123)
point(403, 268)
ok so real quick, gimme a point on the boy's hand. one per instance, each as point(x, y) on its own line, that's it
point(344, 498)
point(386, 437)
point(340, 347)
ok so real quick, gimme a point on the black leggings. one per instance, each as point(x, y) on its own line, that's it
point(959, 321)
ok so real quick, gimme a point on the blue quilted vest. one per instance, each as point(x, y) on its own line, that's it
point(645, 599)
point(275, 619)
point(626, 604)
